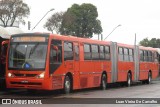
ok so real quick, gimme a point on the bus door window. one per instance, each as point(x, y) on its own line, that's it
point(68, 50)
point(55, 55)
point(107, 53)
point(76, 52)
point(131, 54)
point(121, 55)
point(101, 52)
point(76, 58)
point(126, 54)
point(141, 55)
point(146, 56)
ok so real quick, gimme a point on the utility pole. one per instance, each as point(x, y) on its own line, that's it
point(135, 40)
point(29, 25)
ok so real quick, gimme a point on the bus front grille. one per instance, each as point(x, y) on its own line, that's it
point(25, 75)
point(29, 83)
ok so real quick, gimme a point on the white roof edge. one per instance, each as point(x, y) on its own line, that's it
point(158, 50)
point(8, 31)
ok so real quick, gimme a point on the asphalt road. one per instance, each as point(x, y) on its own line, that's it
point(94, 97)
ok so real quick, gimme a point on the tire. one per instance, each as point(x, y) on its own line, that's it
point(149, 78)
point(103, 82)
point(67, 85)
point(129, 80)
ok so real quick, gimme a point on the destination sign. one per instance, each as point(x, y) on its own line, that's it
point(29, 39)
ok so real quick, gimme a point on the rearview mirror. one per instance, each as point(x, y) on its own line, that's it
point(55, 47)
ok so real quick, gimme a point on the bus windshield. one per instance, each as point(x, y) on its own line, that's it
point(27, 56)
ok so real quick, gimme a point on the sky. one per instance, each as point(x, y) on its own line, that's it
point(140, 17)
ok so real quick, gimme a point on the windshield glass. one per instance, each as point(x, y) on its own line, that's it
point(27, 56)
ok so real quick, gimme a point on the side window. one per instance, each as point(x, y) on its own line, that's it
point(87, 52)
point(126, 54)
point(155, 57)
point(131, 55)
point(107, 52)
point(56, 51)
point(141, 55)
point(101, 52)
point(120, 51)
point(95, 53)
point(68, 50)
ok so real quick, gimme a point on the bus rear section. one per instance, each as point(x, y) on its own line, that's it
point(149, 64)
point(26, 62)
point(133, 63)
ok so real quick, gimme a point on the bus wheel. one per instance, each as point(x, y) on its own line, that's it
point(103, 82)
point(67, 85)
point(149, 78)
point(129, 80)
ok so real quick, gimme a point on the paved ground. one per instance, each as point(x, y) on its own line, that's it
point(115, 91)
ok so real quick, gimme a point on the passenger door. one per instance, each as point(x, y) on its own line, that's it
point(76, 65)
point(55, 55)
point(76, 57)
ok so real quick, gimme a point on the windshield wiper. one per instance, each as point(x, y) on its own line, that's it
point(16, 46)
point(33, 49)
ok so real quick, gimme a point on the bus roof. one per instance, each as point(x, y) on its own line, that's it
point(125, 45)
point(84, 40)
point(147, 48)
point(66, 38)
point(78, 39)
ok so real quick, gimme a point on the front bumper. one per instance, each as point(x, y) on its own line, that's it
point(28, 83)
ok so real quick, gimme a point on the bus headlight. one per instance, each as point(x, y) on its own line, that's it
point(10, 75)
point(41, 75)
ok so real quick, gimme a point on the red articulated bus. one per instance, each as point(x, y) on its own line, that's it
point(50, 62)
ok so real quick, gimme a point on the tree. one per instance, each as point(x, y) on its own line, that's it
point(13, 10)
point(155, 43)
point(81, 21)
point(54, 22)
